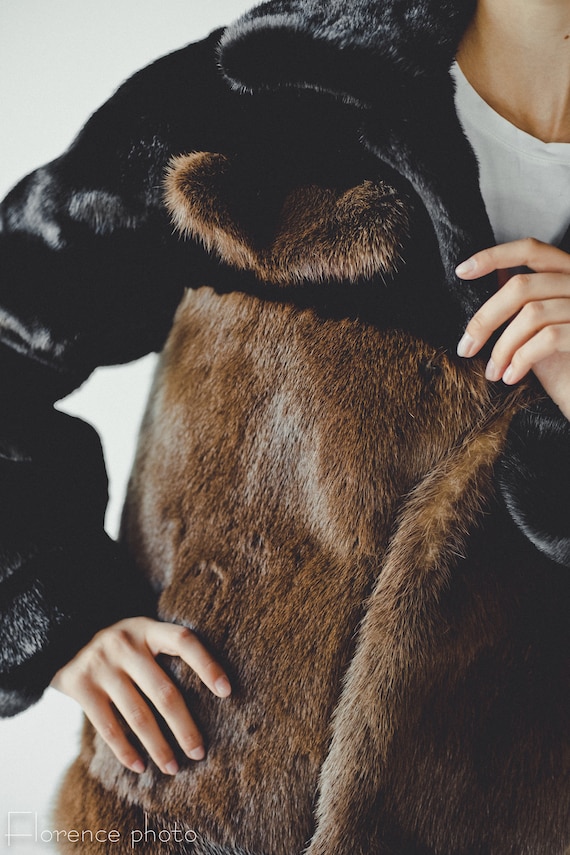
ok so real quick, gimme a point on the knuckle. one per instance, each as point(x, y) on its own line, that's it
point(185, 634)
point(110, 732)
point(519, 284)
point(139, 717)
point(551, 336)
point(531, 246)
point(81, 681)
point(92, 661)
point(176, 636)
point(98, 653)
point(534, 311)
point(168, 696)
point(121, 646)
point(120, 638)
point(140, 625)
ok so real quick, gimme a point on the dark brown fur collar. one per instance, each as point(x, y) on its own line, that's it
point(320, 233)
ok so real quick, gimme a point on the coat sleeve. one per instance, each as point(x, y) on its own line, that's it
point(90, 274)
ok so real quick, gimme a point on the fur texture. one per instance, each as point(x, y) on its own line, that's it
point(321, 234)
point(533, 477)
point(394, 58)
point(359, 524)
point(55, 584)
point(368, 643)
point(351, 49)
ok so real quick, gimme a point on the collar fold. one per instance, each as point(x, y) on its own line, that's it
point(356, 49)
point(391, 57)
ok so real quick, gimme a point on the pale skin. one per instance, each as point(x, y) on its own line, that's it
point(516, 53)
point(117, 665)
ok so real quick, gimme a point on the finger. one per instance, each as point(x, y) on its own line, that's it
point(520, 290)
point(550, 340)
point(529, 252)
point(163, 694)
point(529, 321)
point(102, 716)
point(180, 641)
point(141, 720)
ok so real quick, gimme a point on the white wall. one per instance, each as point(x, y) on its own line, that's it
point(60, 59)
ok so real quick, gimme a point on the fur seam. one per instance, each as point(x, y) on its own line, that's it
point(403, 625)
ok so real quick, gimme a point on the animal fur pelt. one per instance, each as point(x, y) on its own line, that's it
point(371, 538)
point(316, 497)
point(392, 59)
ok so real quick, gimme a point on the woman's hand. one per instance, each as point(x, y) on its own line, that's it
point(536, 308)
point(117, 670)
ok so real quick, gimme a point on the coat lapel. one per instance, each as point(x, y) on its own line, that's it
point(391, 58)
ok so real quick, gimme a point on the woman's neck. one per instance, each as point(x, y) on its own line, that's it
point(516, 54)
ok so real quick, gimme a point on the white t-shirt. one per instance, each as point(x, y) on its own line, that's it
point(525, 183)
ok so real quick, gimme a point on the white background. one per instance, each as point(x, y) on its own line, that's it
point(59, 60)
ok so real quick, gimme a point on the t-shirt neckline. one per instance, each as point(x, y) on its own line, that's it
point(487, 120)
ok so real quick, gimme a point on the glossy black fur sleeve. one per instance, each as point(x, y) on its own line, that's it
point(91, 270)
point(61, 578)
point(90, 274)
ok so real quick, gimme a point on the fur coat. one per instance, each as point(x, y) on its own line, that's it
point(373, 539)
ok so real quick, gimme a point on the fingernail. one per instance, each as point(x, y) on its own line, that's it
point(508, 375)
point(197, 753)
point(465, 267)
point(222, 686)
point(466, 345)
point(172, 767)
point(138, 766)
point(491, 371)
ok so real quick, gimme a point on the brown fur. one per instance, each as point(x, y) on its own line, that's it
point(322, 234)
point(306, 496)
